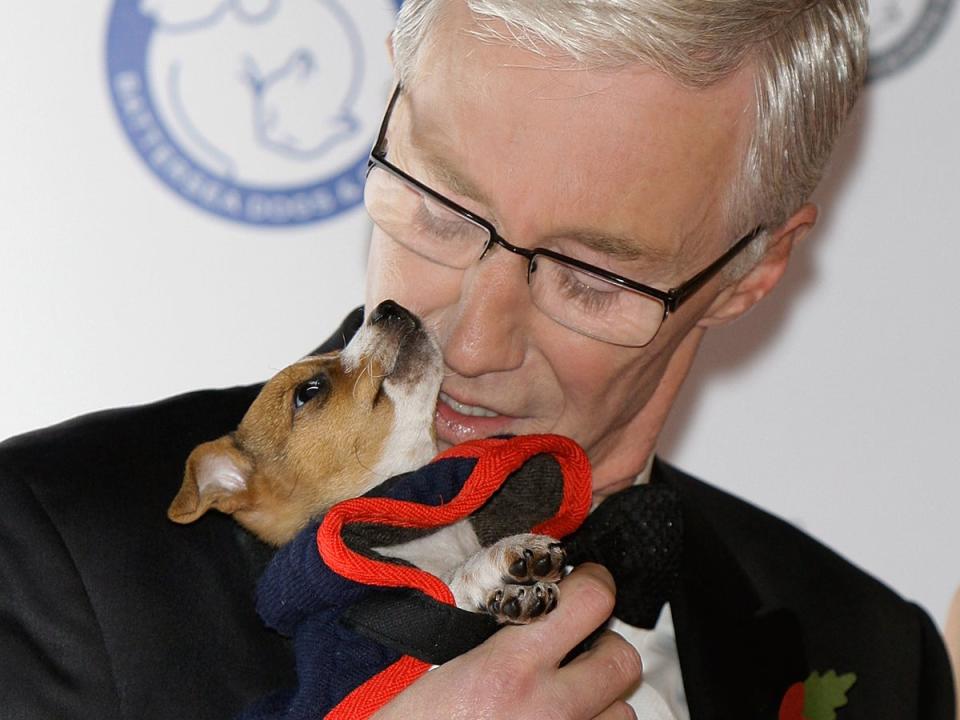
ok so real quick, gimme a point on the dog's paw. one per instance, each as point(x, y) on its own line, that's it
point(529, 558)
point(514, 580)
point(522, 603)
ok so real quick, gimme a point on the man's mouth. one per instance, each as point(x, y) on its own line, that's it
point(464, 409)
point(457, 422)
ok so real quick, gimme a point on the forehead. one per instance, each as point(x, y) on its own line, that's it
point(547, 148)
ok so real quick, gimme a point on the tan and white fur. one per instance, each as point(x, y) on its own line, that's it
point(333, 426)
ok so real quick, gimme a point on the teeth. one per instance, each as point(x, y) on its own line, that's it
point(474, 410)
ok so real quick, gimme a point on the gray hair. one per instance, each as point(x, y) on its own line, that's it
point(808, 58)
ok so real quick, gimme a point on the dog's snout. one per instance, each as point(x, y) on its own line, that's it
point(398, 340)
point(390, 311)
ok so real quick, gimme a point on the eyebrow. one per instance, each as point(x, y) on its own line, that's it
point(442, 170)
point(617, 246)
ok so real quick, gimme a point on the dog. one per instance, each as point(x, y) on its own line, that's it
point(331, 427)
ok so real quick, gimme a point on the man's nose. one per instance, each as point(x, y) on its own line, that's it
point(487, 330)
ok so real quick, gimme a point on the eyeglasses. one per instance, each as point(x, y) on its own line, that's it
point(587, 299)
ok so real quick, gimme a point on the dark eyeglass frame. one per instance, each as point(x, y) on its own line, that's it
point(670, 299)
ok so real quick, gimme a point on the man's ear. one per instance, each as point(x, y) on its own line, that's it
point(216, 477)
point(742, 295)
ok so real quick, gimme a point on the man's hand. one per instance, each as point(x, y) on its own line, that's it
point(516, 674)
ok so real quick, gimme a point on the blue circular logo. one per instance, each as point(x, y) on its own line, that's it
point(259, 111)
point(901, 31)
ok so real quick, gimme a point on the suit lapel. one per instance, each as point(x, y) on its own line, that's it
point(737, 657)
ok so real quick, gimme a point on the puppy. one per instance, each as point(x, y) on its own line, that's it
point(331, 427)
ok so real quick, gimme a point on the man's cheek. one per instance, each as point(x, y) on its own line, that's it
point(603, 386)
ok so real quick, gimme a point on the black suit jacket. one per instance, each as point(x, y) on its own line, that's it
point(108, 610)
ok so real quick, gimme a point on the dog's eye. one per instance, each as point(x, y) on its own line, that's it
point(307, 391)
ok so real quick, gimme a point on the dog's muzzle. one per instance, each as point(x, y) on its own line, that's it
point(415, 352)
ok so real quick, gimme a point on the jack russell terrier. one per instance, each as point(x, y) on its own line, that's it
point(331, 427)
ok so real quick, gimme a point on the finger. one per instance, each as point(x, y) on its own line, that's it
point(586, 601)
point(618, 711)
point(611, 669)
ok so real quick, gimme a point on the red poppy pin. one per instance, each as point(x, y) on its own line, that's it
point(817, 697)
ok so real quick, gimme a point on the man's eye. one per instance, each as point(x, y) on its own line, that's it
point(439, 223)
point(583, 288)
point(307, 391)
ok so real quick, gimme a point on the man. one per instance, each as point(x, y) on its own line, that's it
point(570, 194)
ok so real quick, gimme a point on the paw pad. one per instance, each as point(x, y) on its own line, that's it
point(532, 564)
point(522, 603)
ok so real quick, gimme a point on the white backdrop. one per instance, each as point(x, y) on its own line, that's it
point(836, 404)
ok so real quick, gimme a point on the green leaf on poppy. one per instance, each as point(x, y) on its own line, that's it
point(823, 694)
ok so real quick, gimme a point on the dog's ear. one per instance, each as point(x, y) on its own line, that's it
point(215, 477)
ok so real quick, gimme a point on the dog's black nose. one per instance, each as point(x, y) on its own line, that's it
point(390, 311)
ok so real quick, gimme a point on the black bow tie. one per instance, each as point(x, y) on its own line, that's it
point(637, 535)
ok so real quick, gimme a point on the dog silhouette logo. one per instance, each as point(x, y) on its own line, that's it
point(259, 111)
point(901, 31)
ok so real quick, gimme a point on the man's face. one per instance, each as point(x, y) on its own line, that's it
point(625, 170)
